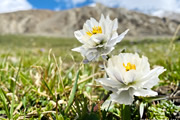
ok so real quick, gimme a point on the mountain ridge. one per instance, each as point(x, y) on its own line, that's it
point(64, 23)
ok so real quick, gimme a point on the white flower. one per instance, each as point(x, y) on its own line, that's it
point(98, 38)
point(129, 76)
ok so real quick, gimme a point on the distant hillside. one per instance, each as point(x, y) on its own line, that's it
point(168, 14)
point(64, 23)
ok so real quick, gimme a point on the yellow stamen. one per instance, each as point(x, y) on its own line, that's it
point(95, 30)
point(129, 66)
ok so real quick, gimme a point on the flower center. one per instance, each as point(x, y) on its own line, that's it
point(95, 30)
point(129, 66)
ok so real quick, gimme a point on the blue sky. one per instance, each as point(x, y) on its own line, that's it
point(58, 4)
point(146, 6)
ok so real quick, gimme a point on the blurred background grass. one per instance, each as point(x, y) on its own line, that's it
point(35, 47)
point(33, 80)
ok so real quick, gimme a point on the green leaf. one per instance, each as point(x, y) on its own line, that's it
point(60, 117)
point(68, 72)
point(24, 79)
point(4, 101)
point(155, 98)
point(54, 98)
point(24, 105)
point(90, 116)
point(14, 87)
point(125, 112)
point(72, 94)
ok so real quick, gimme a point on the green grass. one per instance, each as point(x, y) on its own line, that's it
point(37, 46)
point(38, 84)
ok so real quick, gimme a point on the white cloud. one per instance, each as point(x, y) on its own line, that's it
point(67, 4)
point(144, 5)
point(169, 5)
point(14, 5)
point(92, 5)
point(75, 2)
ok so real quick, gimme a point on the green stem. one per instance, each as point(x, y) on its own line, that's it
point(125, 112)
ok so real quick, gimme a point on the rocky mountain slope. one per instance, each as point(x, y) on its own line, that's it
point(64, 23)
point(168, 14)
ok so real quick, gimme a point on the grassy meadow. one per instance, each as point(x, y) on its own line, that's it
point(41, 78)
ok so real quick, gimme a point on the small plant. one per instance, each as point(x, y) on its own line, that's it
point(163, 110)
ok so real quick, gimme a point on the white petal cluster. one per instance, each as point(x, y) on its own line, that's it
point(98, 38)
point(129, 76)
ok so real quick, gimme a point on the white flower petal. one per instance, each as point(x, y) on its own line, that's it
point(129, 76)
point(121, 36)
point(143, 65)
point(109, 82)
point(115, 24)
point(92, 54)
point(94, 22)
point(78, 49)
point(86, 28)
point(90, 24)
point(143, 92)
point(98, 38)
point(102, 18)
point(114, 41)
point(114, 74)
point(124, 88)
point(151, 78)
point(125, 97)
point(79, 34)
point(107, 18)
point(114, 36)
point(110, 88)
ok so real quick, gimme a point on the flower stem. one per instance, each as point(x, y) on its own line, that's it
point(125, 112)
point(102, 101)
